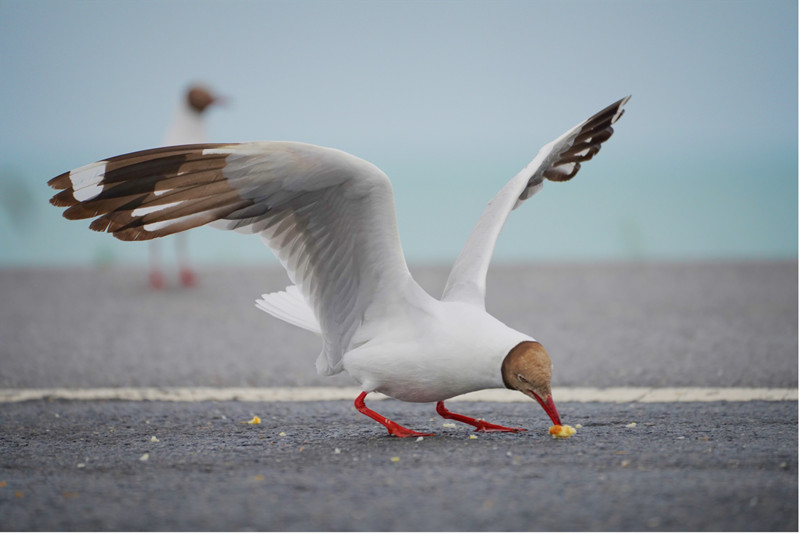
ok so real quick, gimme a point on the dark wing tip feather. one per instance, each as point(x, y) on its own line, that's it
point(618, 106)
point(61, 181)
point(135, 230)
point(63, 199)
point(101, 224)
point(138, 234)
point(608, 115)
point(183, 175)
point(582, 147)
point(554, 175)
point(595, 131)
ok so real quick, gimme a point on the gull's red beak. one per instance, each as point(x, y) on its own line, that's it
point(222, 101)
point(549, 407)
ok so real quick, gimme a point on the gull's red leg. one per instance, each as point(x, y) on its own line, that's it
point(393, 428)
point(479, 424)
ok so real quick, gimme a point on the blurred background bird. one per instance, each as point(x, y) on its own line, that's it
point(188, 127)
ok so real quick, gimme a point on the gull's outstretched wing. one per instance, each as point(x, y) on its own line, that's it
point(327, 215)
point(558, 161)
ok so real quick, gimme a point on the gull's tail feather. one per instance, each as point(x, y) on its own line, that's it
point(290, 306)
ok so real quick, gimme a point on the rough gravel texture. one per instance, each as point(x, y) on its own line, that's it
point(696, 467)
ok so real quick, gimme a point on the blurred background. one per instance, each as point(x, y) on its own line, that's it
point(449, 98)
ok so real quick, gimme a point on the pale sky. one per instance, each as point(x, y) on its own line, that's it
point(450, 99)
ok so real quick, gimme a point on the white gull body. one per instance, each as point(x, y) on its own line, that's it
point(188, 124)
point(431, 351)
point(329, 218)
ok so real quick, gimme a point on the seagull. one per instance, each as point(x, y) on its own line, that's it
point(329, 218)
point(188, 127)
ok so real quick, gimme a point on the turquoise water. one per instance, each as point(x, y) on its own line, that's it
point(649, 206)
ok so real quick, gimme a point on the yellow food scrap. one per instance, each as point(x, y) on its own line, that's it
point(473, 436)
point(154, 439)
point(561, 431)
point(282, 434)
point(395, 459)
point(144, 457)
point(631, 425)
point(256, 420)
point(449, 425)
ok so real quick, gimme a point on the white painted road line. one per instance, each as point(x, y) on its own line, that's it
point(307, 394)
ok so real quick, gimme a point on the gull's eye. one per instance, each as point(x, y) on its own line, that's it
point(522, 378)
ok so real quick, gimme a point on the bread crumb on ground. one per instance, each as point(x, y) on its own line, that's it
point(561, 431)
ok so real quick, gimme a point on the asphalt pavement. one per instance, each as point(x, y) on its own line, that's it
point(321, 466)
point(116, 465)
point(604, 325)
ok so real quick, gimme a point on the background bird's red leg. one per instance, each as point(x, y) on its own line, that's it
point(156, 277)
point(187, 274)
point(393, 428)
point(479, 424)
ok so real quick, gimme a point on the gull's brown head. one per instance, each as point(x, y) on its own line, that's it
point(528, 368)
point(199, 98)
